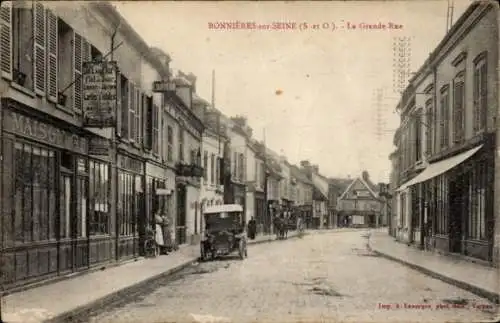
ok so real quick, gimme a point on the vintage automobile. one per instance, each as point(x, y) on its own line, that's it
point(224, 232)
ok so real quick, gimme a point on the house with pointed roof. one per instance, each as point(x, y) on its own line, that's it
point(360, 205)
point(304, 191)
point(322, 218)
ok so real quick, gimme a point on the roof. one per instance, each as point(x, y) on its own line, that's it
point(375, 195)
point(223, 208)
point(299, 175)
point(340, 183)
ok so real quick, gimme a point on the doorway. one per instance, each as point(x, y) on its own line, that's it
point(457, 201)
point(180, 223)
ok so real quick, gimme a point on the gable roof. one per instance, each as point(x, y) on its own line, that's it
point(340, 183)
point(375, 195)
point(299, 175)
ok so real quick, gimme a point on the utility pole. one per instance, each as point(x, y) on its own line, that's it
point(266, 178)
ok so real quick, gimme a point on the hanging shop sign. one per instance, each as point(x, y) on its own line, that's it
point(99, 91)
point(164, 87)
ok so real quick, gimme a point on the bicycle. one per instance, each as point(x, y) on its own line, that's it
point(150, 246)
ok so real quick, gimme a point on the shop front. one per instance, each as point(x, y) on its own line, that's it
point(159, 197)
point(239, 194)
point(261, 217)
point(130, 208)
point(453, 203)
point(46, 223)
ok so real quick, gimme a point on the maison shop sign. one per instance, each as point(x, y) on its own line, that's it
point(39, 131)
point(99, 83)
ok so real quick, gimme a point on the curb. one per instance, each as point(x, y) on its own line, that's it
point(491, 296)
point(83, 311)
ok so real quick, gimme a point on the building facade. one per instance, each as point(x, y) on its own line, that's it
point(359, 205)
point(304, 196)
point(74, 194)
point(454, 197)
point(261, 177)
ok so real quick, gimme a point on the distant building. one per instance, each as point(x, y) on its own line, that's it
point(359, 205)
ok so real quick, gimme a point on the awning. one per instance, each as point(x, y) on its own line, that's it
point(439, 168)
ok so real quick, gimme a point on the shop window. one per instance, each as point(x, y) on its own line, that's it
point(22, 44)
point(126, 214)
point(35, 194)
point(99, 186)
point(477, 203)
point(480, 93)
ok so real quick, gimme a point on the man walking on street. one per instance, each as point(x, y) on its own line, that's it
point(252, 228)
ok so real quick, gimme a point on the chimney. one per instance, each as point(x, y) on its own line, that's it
point(192, 79)
point(315, 169)
point(304, 164)
point(365, 176)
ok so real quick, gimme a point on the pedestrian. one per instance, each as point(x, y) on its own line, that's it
point(160, 242)
point(252, 228)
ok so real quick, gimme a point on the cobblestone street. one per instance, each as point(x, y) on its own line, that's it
point(322, 277)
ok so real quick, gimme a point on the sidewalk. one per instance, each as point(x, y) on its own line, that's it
point(476, 278)
point(61, 299)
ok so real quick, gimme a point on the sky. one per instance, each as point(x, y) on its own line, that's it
point(311, 92)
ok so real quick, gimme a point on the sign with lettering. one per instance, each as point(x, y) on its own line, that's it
point(131, 164)
point(163, 87)
point(99, 87)
point(43, 132)
point(99, 146)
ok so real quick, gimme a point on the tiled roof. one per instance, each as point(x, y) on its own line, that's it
point(299, 175)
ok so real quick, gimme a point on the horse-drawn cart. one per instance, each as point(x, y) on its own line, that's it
point(224, 232)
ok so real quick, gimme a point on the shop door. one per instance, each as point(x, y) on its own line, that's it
point(455, 214)
point(80, 225)
point(180, 223)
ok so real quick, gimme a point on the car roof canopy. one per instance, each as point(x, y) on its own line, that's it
point(223, 208)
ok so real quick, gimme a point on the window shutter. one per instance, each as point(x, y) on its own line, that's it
point(137, 116)
point(6, 39)
point(39, 46)
point(51, 56)
point(77, 72)
point(118, 104)
point(149, 124)
point(131, 107)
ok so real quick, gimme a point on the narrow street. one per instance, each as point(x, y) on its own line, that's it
point(321, 277)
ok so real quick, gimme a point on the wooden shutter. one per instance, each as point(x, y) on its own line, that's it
point(148, 142)
point(138, 116)
point(51, 56)
point(39, 47)
point(6, 39)
point(77, 72)
point(118, 104)
point(131, 111)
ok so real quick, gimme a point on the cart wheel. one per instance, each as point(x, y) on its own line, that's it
point(241, 250)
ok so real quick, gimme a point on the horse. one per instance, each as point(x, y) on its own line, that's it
point(281, 226)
